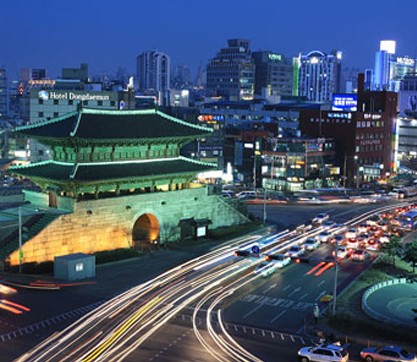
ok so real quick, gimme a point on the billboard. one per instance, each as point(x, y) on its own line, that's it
point(345, 102)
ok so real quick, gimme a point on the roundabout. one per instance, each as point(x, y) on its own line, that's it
point(393, 302)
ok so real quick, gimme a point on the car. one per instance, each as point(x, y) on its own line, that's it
point(351, 233)
point(311, 244)
point(352, 244)
point(324, 352)
point(228, 193)
point(295, 251)
point(373, 244)
point(265, 268)
point(339, 238)
point(392, 353)
point(280, 260)
point(384, 238)
point(242, 253)
point(373, 220)
point(324, 236)
point(363, 228)
point(328, 224)
point(360, 255)
point(320, 218)
point(246, 195)
point(383, 225)
point(363, 237)
point(342, 252)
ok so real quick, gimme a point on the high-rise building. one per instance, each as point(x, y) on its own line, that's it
point(319, 75)
point(231, 73)
point(4, 102)
point(390, 69)
point(273, 74)
point(27, 74)
point(182, 77)
point(153, 71)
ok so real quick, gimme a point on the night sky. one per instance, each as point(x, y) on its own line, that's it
point(107, 34)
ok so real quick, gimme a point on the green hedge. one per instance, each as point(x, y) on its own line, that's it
point(115, 255)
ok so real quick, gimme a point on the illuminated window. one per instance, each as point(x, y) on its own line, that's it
point(79, 267)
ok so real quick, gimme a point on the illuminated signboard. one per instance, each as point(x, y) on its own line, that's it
point(345, 102)
point(275, 57)
point(406, 61)
point(56, 95)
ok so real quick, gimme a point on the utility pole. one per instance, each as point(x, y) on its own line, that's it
point(19, 211)
point(336, 267)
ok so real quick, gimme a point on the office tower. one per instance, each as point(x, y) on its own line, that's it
point(319, 75)
point(182, 77)
point(153, 71)
point(273, 74)
point(4, 108)
point(231, 73)
point(391, 69)
point(382, 68)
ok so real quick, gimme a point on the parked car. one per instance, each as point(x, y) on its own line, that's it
point(295, 251)
point(246, 195)
point(323, 353)
point(311, 244)
point(391, 353)
point(320, 218)
point(280, 260)
point(266, 268)
point(360, 255)
point(227, 193)
point(352, 244)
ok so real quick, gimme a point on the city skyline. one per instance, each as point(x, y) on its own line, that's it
point(52, 36)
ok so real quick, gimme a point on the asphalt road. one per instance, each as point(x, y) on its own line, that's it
point(115, 278)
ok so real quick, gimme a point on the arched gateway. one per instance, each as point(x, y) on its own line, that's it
point(108, 168)
point(146, 230)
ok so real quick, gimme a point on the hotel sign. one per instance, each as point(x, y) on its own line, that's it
point(57, 95)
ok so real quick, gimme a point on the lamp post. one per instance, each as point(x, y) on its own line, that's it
point(357, 171)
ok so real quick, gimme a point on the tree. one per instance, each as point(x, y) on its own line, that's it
point(410, 255)
point(393, 247)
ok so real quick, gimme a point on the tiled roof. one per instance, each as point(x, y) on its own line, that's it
point(112, 124)
point(93, 172)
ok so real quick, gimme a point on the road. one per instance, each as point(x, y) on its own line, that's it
point(135, 321)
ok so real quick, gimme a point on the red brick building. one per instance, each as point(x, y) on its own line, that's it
point(365, 139)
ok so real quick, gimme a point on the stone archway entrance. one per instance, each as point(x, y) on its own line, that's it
point(145, 231)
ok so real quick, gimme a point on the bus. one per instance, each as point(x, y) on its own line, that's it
point(408, 220)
